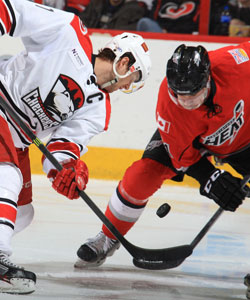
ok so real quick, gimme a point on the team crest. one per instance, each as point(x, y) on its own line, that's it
point(65, 97)
point(229, 130)
point(63, 100)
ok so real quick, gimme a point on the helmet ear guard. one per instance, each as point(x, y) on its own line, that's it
point(188, 70)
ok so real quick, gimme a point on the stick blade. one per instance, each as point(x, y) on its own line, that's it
point(157, 265)
point(173, 258)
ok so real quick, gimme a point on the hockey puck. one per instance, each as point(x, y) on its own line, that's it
point(163, 210)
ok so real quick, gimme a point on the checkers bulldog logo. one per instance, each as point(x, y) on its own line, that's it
point(65, 97)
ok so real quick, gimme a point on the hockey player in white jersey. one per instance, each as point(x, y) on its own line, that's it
point(61, 90)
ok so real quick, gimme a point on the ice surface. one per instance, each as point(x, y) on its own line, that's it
point(215, 270)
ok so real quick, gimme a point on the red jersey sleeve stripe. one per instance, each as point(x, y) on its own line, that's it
point(7, 17)
point(68, 148)
point(82, 35)
point(108, 111)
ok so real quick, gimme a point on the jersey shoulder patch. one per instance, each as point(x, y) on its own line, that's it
point(240, 56)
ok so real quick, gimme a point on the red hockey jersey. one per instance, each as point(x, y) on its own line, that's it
point(222, 134)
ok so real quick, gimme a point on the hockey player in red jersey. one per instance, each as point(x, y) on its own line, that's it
point(60, 89)
point(203, 109)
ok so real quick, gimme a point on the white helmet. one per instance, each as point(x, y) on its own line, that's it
point(134, 43)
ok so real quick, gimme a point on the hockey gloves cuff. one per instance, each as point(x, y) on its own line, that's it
point(224, 189)
point(71, 179)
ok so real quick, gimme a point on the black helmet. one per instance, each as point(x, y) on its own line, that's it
point(188, 69)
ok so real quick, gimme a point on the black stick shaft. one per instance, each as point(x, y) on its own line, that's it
point(214, 218)
point(206, 228)
point(150, 255)
point(58, 166)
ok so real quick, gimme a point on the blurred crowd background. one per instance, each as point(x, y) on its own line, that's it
point(227, 17)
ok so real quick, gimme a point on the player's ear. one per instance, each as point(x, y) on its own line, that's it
point(122, 65)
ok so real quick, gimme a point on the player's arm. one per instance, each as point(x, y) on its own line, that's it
point(217, 184)
point(28, 19)
point(64, 146)
point(68, 144)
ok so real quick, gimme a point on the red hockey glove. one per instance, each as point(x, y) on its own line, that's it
point(71, 179)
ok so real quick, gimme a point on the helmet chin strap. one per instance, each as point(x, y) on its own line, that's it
point(109, 83)
point(117, 76)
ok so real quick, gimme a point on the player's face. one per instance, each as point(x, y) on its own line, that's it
point(191, 102)
point(124, 83)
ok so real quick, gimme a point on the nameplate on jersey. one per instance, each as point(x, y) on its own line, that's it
point(77, 57)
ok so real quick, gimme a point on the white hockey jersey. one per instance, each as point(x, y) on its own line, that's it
point(52, 85)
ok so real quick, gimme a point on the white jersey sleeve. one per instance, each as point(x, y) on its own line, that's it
point(31, 20)
point(52, 85)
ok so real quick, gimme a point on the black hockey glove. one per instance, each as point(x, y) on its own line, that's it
point(224, 189)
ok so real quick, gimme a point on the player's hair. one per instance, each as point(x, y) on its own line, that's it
point(108, 55)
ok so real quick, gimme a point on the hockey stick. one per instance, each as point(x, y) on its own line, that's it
point(156, 257)
point(175, 262)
